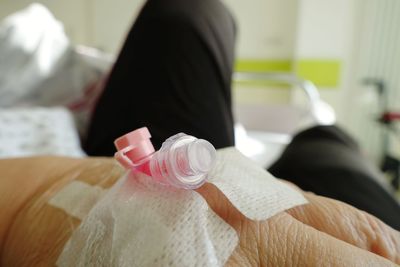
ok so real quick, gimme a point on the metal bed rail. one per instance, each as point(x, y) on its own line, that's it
point(322, 112)
point(307, 87)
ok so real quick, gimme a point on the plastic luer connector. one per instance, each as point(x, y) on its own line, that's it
point(183, 160)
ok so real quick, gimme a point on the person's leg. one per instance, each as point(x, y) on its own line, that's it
point(172, 75)
point(328, 162)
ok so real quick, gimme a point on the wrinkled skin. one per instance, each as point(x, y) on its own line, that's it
point(324, 232)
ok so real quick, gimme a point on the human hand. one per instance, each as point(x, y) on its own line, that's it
point(324, 232)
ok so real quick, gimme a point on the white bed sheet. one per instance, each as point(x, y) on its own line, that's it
point(38, 131)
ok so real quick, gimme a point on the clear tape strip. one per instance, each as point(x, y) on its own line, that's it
point(77, 198)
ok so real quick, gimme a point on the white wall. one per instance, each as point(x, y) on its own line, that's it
point(266, 27)
point(322, 28)
point(110, 21)
point(326, 30)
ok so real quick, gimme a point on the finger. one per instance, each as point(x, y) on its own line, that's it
point(350, 225)
point(220, 204)
point(284, 241)
point(288, 242)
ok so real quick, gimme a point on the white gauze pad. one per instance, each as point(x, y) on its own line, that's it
point(250, 188)
point(142, 223)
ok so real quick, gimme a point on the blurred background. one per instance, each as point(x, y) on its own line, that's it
point(348, 48)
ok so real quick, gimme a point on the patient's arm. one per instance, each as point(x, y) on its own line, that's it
point(33, 233)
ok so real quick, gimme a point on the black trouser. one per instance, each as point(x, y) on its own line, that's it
point(172, 75)
point(328, 162)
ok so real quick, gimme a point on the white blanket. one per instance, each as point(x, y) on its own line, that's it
point(38, 131)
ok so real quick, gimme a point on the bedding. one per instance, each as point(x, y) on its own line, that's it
point(45, 86)
point(38, 131)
